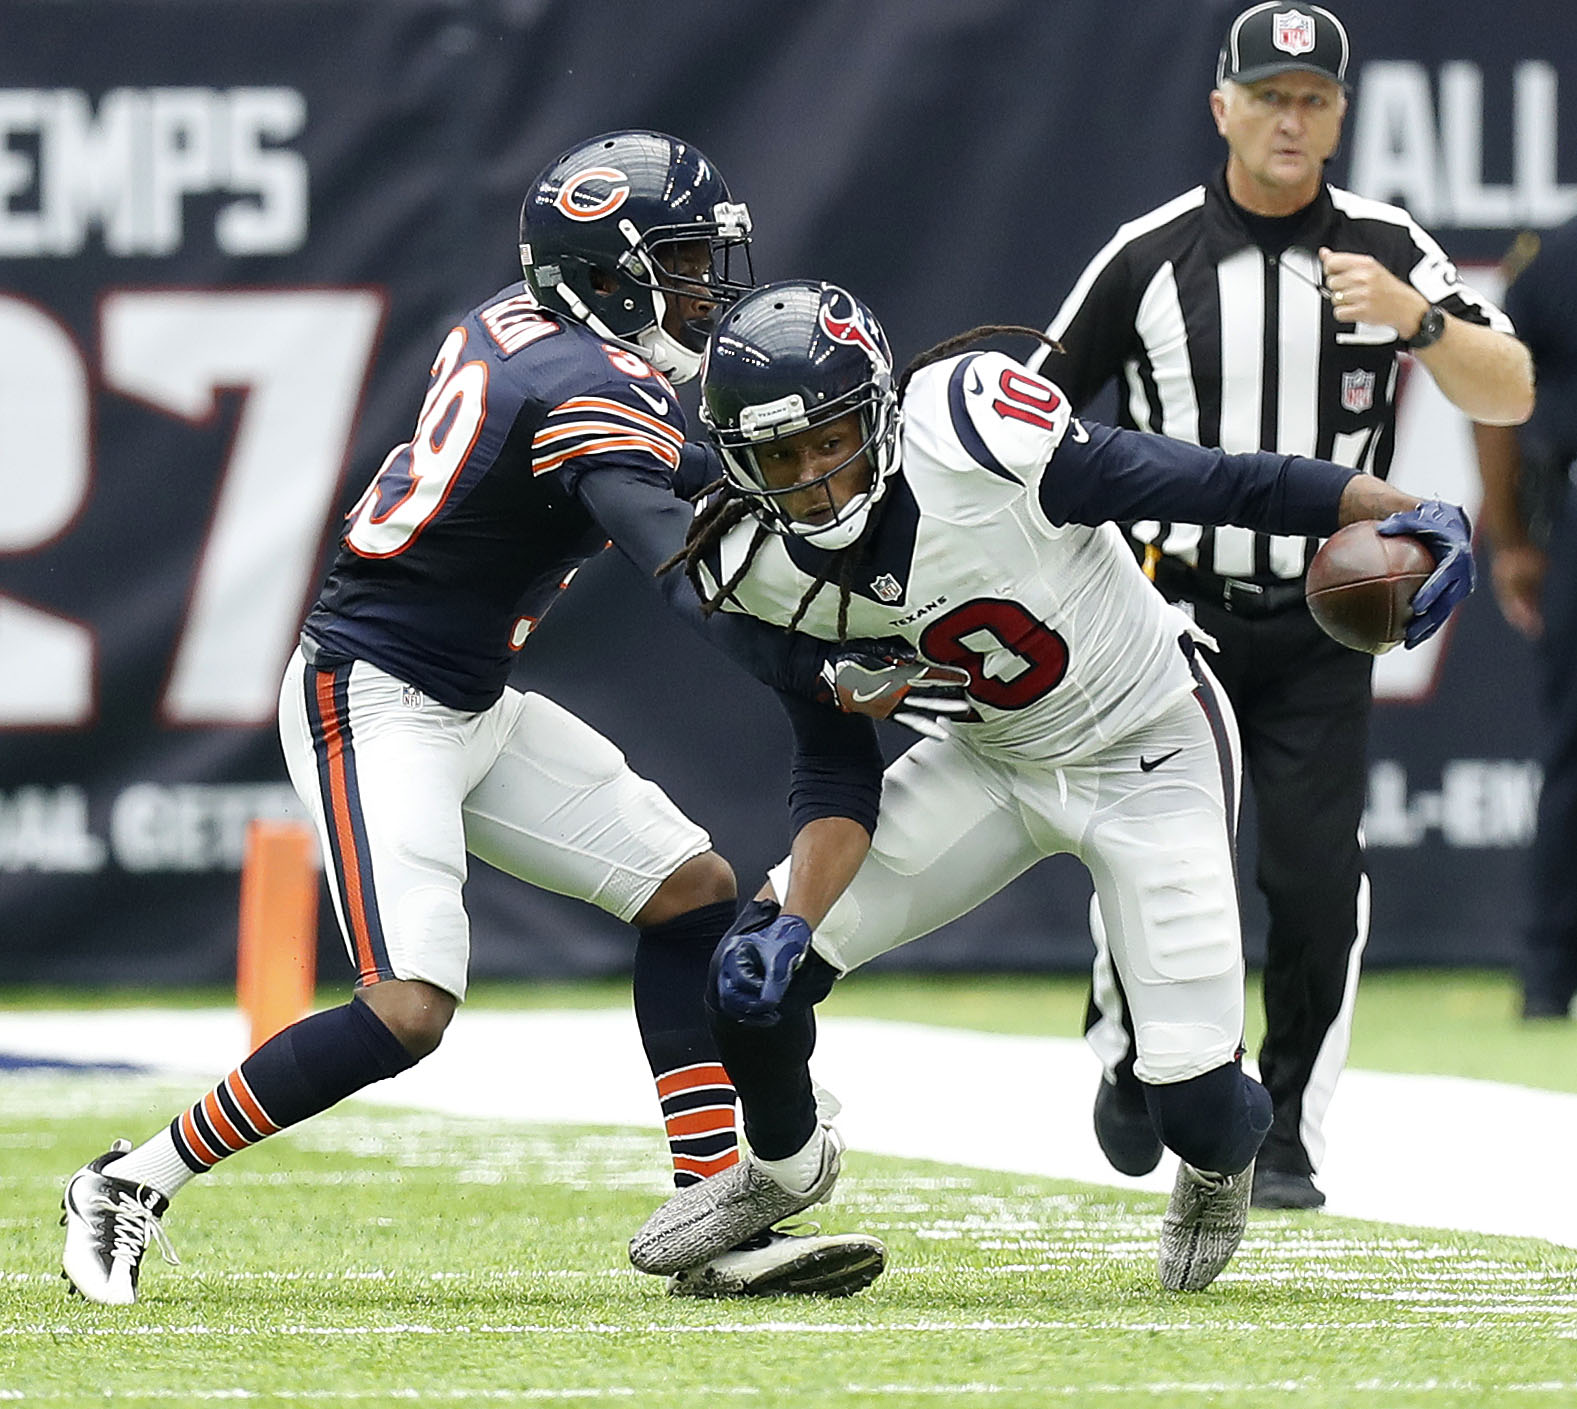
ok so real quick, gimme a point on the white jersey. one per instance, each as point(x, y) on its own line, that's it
point(1067, 644)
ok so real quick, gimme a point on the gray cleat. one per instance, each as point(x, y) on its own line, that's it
point(775, 1263)
point(710, 1218)
point(1203, 1226)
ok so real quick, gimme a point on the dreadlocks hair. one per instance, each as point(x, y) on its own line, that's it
point(707, 529)
point(713, 523)
point(731, 507)
point(959, 341)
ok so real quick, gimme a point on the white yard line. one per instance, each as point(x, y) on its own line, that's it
point(1432, 1151)
point(950, 1392)
point(751, 1329)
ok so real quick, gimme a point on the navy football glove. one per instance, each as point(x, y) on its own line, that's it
point(888, 680)
point(755, 962)
point(1445, 531)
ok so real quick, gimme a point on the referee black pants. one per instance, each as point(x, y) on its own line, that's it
point(1549, 962)
point(1302, 705)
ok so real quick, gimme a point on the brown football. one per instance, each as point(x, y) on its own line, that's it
point(1360, 585)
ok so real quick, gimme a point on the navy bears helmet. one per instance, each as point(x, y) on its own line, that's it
point(599, 233)
point(785, 358)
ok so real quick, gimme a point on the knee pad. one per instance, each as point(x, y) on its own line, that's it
point(430, 936)
point(1215, 1122)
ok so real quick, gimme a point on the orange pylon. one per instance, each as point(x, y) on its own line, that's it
point(276, 953)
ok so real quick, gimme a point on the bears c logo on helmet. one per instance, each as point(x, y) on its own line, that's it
point(580, 199)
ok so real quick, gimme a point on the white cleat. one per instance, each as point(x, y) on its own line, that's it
point(1203, 1226)
point(716, 1215)
point(109, 1223)
point(775, 1263)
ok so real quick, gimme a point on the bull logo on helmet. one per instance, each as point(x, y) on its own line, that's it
point(843, 320)
point(580, 199)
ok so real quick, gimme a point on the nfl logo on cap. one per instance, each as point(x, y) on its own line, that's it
point(1274, 38)
point(1294, 32)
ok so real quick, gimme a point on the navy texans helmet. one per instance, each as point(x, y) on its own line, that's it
point(617, 205)
point(788, 357)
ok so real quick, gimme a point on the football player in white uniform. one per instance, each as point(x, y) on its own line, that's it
point(962, 508)
point(549, 428)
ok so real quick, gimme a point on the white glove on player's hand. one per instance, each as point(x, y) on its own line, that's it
point(886, 681)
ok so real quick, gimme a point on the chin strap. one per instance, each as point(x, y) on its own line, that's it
point(834, 537)
point(674, 360)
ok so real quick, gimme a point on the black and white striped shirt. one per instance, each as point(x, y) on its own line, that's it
point(1218, 340)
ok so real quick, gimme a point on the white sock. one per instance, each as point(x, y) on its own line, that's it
point(798, 1171)
point(154, 1163)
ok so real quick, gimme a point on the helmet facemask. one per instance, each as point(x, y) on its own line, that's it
point(758, 426)
point(632, 303)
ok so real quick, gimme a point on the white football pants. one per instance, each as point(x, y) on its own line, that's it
point(1152, 816)
point(401, 788)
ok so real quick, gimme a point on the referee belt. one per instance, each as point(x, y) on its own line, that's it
point(1237, 595)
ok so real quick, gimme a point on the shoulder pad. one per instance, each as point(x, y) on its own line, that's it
point(612, 407)
point(1006, 418)
point(512, 319)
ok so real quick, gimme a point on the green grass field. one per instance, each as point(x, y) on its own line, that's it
point(376, 1257)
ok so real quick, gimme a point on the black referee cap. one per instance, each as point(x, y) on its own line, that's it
point(1283, 38)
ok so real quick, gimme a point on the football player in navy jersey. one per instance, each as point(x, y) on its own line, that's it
point(962, 508)
point(548, 428)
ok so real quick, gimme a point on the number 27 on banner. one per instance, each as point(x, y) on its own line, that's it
point(302, 357)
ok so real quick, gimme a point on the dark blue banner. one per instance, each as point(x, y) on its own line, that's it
point(232, 236)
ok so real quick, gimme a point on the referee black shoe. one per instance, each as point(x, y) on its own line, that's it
point(1284, 1188)
point(1539, 1005)
point(1123, 1127)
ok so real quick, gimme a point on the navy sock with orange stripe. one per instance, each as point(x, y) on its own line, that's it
point(671, 962)
point(312, 1065)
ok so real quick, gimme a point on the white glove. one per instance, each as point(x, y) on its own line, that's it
point(889, 681)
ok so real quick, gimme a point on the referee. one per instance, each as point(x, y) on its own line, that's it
point(1266, 310)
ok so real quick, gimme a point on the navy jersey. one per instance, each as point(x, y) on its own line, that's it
point(537, 443)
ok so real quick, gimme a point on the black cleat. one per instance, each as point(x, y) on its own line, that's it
point(1284, 1188)
point(1539, 1006)
point(776, 1263)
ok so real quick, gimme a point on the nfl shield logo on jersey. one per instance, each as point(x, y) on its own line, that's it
point(1294, 32)
point(1357, 391)
point(887, 587)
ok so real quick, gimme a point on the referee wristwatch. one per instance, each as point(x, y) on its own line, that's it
point(1430, 328)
